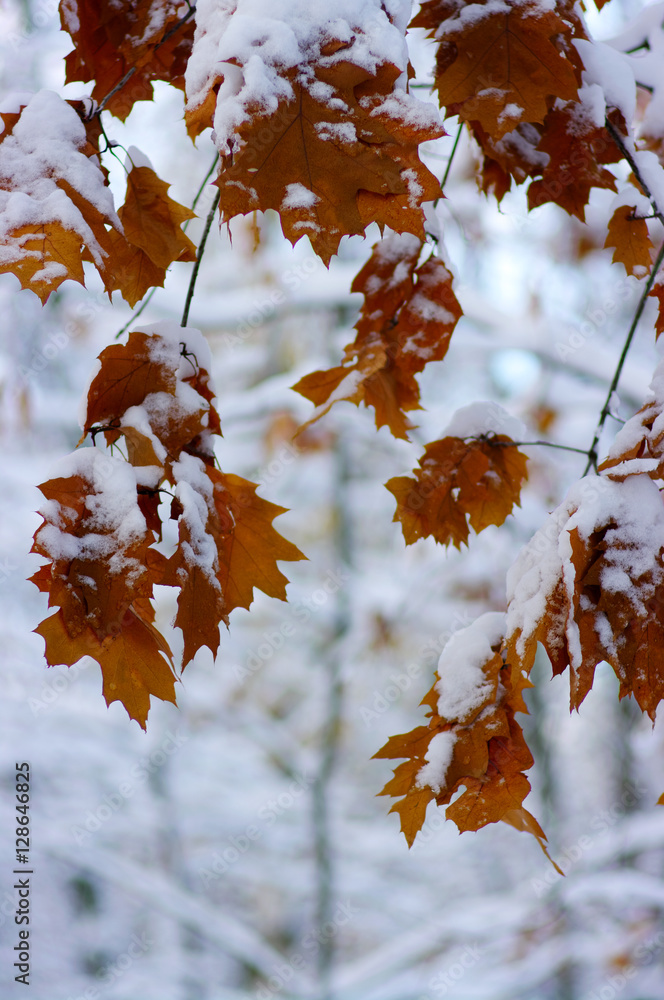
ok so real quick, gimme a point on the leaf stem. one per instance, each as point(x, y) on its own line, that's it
point(629, 156)
point(199, 257)
point(451, 157)
point(592, 451)
point(526, 444)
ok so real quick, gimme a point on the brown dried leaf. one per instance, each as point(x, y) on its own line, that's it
point(479, 480)
point(629, 235)
point(407, 320)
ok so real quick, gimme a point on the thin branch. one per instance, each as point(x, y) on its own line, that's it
point(527, 444)
point(629, 156)
point(128, 75)
point(201, 189)
point(135, 315)
point(592, 451)
point(449, 162)
point(199, 257)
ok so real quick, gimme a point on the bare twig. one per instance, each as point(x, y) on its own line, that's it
point(528, 444)
point(199, 258)
point(592, 451)
point(629, 156)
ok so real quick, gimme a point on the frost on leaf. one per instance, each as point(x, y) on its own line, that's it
point(112, 38)
point(590, 587)
point(96, 539)
point(501, 64)
point(459, 484)
point(311, 119)
point(54, 202)
point(407, 320)
point(472, 741)
point(102, 521)
point(354, 161)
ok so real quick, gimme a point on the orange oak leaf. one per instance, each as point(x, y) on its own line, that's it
point(576, 151)
point(407, 320)
point(135, 662)
point(657, 292)
point(133, 272)
point(151, 220)
point(96, 539)
point(472, 740)
point(55, 208)
point(128, 374)
point(459, 483)
point(515, 155)
point(331, 166)
point(502, 67)
point(221, 560)
point(152, 240)
point(111, 39)
point(595, 573)
point(629, 235)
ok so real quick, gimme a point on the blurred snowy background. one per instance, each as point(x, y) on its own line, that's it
point(238, 850)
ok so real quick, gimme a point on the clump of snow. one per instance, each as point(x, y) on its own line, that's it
point(44, 150)
point(136, 158)
point(170, 338)
point(298, 196)
point(484, 418)
point(612, 71)
point(438, 757)
point(633, 516)
point(463, 686)
point(252, 49)
point(194, 490)
point(113, 521)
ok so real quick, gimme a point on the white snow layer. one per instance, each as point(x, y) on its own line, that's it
point(43, 151)
point(249, 46)
point(462, 686)
point(114, 521)
point(484, 418)
point(439, 758)
point(634, 514)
